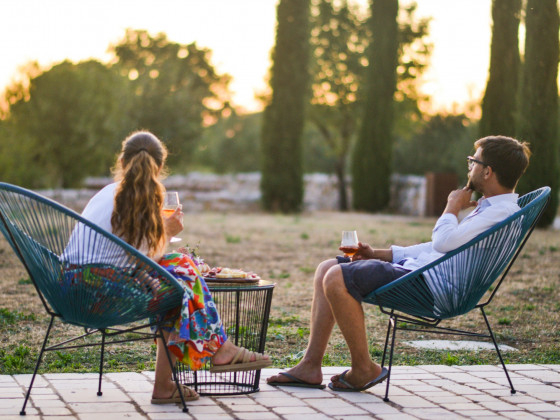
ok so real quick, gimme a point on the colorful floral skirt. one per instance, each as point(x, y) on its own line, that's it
point(197, 333)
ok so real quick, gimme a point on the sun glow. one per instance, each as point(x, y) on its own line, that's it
point(240, 35)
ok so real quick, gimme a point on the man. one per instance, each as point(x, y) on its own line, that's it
point(340, 284)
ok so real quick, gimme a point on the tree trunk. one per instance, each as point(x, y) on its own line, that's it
point(500, 98)
point(539, 101)
point(341, 176)
point(282, 168)
point(372, 155)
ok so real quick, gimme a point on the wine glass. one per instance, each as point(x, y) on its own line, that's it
point(170, 204)
point(349, 243)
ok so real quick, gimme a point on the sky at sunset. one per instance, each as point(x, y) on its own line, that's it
point(240, 33)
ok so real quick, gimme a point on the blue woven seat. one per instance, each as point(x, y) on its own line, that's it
point(460, 280)
point(92, 279)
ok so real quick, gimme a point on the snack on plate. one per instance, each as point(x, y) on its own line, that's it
point(204, 268)
point(230, 273)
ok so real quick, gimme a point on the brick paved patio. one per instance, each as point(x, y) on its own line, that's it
point(419, 392)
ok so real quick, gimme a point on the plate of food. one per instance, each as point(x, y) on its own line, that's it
point(230, 275)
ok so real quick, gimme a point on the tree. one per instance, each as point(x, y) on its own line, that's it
point(339, 37)
point(372, 154)
point(176, 89)
point(440, 145)
point(539, 101)
point(282, 170)
point(67, 123)
point(500, 99)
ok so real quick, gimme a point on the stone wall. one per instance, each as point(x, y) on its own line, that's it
point(240, 192)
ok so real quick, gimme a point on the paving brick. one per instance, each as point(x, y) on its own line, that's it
point(335, 406)
point(246, 408)
point(400, 416)
point(316, 416)
point(112, 416)
point(551, 415)
point(500, 406)
point(105, 408)
point(359, 397)
point(430, 413)
point(440, 368)
point(169, 416)
point(412, 401)
point(476, 413)
point(281, 402)
point(380, 408)
point(88, 396)
point(535, 408)
point(525, 367)
point(259, 416)
point(295, 410)
point(520, 415)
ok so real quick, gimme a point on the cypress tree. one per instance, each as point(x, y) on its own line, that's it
point(499, 102)
point(372, 154)
point(539, 101)
point(282, 169)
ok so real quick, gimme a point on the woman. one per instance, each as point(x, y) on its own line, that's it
point(131, 208)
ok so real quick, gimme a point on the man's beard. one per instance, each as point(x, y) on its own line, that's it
point(472, 185)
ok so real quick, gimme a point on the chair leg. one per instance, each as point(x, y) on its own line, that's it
point(159, 334)
point(386, 342)
point(99, 393)
point(394, 321)
point(22, 412)
point(497, 350)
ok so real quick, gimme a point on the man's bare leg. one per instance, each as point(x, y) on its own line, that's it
point(349, 316)
point(322, 323)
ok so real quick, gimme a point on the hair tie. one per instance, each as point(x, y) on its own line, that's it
point(143, 149)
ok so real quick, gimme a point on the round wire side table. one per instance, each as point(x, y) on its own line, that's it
point(244, 309)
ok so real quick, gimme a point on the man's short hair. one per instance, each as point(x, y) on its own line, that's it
point(507, 156)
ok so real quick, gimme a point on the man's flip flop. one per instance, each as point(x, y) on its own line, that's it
point(242, 361)
point(351, 388)
point(188, 394)
point(296, 382)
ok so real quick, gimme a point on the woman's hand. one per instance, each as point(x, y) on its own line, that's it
point(173, 224)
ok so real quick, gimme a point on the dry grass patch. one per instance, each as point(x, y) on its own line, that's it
point(286, 249)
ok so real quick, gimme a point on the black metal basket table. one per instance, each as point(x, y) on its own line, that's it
point(244, 309)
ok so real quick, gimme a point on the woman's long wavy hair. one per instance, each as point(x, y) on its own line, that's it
point(137, 216)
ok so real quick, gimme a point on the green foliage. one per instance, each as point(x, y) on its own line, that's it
point(282, 169)
point(176, 89)
point(67, 122)
point(340, 36)
point(231, 145)
point(67, 125)
point(538, 116)
point(499, 104)
point(372, 154)
point(441, 144)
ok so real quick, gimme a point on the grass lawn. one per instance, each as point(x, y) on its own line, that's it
point(525, 314)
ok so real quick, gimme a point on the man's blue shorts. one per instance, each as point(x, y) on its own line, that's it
point(364, 276)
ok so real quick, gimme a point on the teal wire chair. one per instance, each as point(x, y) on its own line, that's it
point(86, 276)
point(459, 281)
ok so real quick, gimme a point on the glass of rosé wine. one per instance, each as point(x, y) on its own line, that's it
point(349, 243)
point(170, 204)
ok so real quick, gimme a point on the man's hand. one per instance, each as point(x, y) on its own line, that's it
point(173, 224)
point(459, 200)
point(366, 252)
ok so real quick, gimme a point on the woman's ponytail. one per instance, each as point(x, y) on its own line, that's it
point(137, 214)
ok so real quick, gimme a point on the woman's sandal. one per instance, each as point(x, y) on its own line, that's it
point(242, 361)
point(188, 394)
